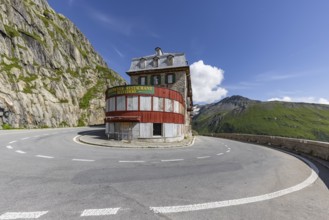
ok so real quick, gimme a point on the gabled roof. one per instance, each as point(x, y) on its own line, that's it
point(179, 60)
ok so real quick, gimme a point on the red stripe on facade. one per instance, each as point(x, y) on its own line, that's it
point(146, 117)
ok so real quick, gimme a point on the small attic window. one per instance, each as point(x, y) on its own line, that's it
point(155, 61)
point(142, 63)
point(170, 60)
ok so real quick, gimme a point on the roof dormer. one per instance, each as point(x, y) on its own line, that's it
point(142, 63)
point(156, 61)
point(170, 60)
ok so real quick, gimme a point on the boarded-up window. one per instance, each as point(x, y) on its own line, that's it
point(112, 104)
point(168, 105)
point(132, 103)
point(145, 103)
point(108, 105)
point(146, 130)
point(176, 106)
point(155, 104)
point(121, 103)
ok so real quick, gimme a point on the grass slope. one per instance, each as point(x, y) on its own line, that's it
point(298, 120)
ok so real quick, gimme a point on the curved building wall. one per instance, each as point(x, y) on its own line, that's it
point(144, 112)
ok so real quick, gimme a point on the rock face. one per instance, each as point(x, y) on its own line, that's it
point(50, 75)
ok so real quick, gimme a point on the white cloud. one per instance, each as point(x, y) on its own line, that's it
point(205, 83)
point(309, 99)
point(284, 99)
point(324, 101)
point(118, 25)
point(119, 52)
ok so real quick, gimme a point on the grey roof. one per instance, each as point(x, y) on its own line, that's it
point(179, 60)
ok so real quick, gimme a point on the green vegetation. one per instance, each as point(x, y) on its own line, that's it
point(297, 120)
point(6, 127)
point(21, 47)
point(73, 73)
point(83, 53)
point(89, 95)
point(29, 78)
point(28, 88)
point(12, 32)
point(63, 124)
point(63, 100)
point(35, 37)
point(81, 121)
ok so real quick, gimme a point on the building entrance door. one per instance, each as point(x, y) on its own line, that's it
point(157, 129)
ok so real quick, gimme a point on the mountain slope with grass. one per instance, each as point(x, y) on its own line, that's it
point(50, 75)
point(237, 114)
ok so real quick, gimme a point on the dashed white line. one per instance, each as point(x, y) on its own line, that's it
point(25, 138)
point(12, 142)
point(20, 152)
point(99, 212)
point(228, 151)
point(172, 160)
point(22, 215)
point(44, 156)
point(9, 147)
point(131, 161)
point(212, 205)
point(219, 154)
point(203, 157)
point(83, 160)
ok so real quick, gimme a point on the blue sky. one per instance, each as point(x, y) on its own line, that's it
point(261, 49)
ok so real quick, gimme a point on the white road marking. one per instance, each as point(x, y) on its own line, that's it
point(228, 151)
point(44, 156)
point(20, 152)
point(9, 147)
point(78, 142)
point(25, 138)
point(226, 145)
point(203, 157)
point(36, 136)
point(83, 160)
point(172, 160)
point(219, 154)
point(22, 215)
point(12, 142)
point(131, 161)
point(99, 212)
point(219, 204)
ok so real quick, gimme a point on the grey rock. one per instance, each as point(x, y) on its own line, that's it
point(46, 67)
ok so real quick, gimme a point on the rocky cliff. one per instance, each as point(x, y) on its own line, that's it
point(50, 75)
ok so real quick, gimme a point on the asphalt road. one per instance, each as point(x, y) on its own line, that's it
point(45, 174)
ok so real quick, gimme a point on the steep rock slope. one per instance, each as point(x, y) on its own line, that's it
point(237, 114)
point(50, 75)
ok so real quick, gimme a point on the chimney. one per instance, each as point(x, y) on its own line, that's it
point(158, 51)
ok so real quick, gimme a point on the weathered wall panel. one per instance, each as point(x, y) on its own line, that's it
point(146, 130)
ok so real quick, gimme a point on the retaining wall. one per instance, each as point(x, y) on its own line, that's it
point(314, 148)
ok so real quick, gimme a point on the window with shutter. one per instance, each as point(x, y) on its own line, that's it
point(170, 78)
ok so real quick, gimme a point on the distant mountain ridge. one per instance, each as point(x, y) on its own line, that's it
point(238, 114)
point(50, 75)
